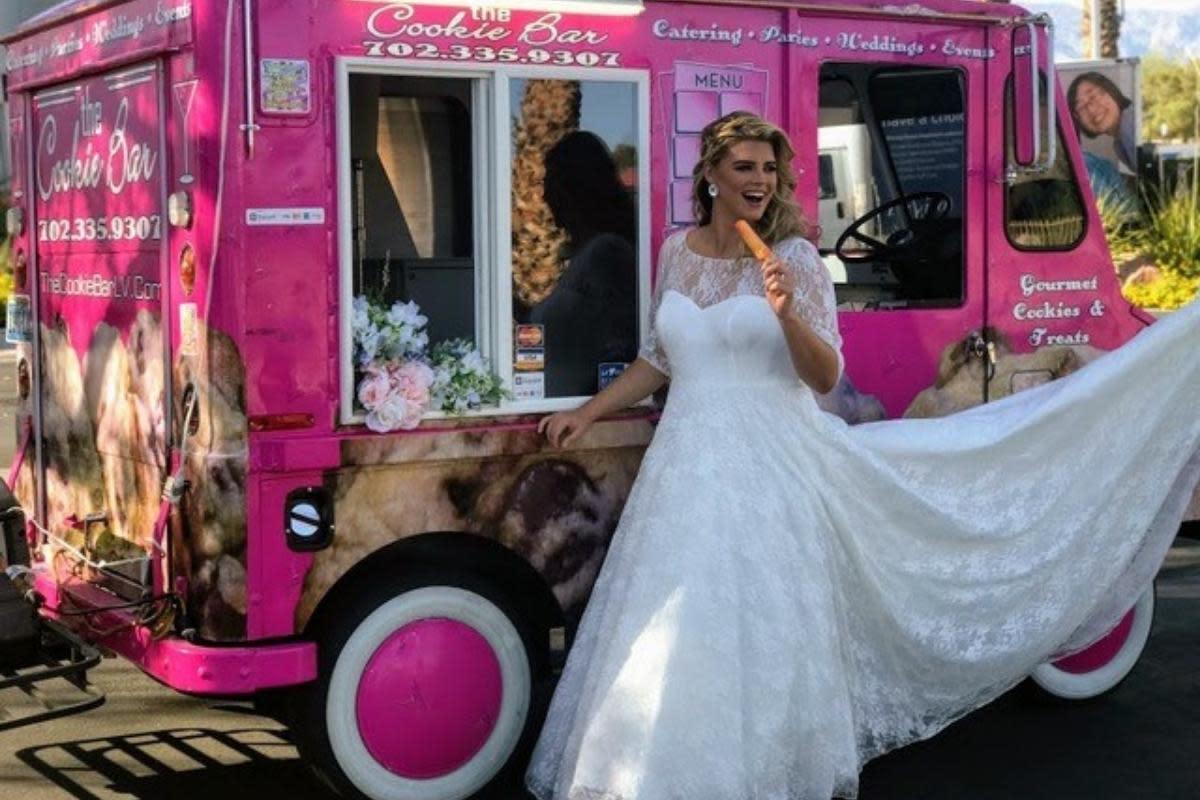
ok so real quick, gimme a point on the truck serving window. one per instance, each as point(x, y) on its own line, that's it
point(509, 205)
point(892, 146)
point(1043, 211)
point(411, 198)
point(575, 232)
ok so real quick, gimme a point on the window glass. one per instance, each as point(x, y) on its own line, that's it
point(1044, 210)
point(828, 187)
point(892, 146)
point(412, 197)
point(575, 234)
point(921, 117)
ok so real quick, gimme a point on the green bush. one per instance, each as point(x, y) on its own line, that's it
point(1166, 231)
point(6, 278)
point(1171, 231)
point(6, 263)
point(1168, 292)
point(1123, 224)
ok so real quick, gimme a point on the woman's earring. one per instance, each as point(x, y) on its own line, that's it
point(712, 190)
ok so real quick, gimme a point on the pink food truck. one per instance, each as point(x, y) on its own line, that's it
point(297, 279)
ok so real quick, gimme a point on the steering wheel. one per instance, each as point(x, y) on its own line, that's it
point(916, 208)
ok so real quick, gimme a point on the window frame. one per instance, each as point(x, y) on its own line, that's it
point(491, 110)
point(1064, 154)
point(964, 77)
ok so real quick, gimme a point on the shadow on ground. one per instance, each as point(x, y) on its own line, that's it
point(186, 764)
point(183, 764)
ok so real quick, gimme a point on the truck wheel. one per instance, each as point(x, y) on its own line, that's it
point(427, 691)
point(1101, 667)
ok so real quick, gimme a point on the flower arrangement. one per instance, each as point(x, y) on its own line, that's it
point(400, 380)
point(462, 380)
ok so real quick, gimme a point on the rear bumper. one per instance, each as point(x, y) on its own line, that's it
point(182, 665)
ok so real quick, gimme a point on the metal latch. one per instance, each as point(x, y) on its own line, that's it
point(980, 347)
point(173, 488)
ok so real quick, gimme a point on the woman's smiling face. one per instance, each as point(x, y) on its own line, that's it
point(746, 180)
point(1096, 110)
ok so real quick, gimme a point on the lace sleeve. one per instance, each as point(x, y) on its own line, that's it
point(815, 302)
point(651, 350)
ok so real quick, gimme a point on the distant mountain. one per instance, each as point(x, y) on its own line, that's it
point(1173, 32)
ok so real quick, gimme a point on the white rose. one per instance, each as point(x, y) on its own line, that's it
point(388, 415)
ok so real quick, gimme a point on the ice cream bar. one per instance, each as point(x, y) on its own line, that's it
point(753, 240)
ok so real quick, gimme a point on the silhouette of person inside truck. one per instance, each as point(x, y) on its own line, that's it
point(590, 317)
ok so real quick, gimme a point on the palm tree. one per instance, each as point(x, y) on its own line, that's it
point(1110, 29)
point(549, 110)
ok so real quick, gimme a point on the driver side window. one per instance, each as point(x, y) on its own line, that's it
point(892, 144)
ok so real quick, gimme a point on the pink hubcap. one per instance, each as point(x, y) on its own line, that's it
point(429, 698)
point(1100, 653)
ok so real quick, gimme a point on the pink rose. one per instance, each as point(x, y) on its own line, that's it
point(412, 380)
point(374, 388)
point(413, 376)
point(413, 416)
point(396, 395)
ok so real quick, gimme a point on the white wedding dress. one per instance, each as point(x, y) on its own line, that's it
point(787, 597)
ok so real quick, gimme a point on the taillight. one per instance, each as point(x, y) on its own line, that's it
point(187, 270)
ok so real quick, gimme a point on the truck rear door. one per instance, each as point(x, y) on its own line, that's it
point(97, 185)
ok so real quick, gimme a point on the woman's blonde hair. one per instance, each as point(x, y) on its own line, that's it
point(782, 218)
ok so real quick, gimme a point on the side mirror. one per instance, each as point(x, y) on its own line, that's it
point(1026, 102)
point(1034, 103)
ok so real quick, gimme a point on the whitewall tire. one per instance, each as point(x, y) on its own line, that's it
point(428, 648)
point(1101, 667)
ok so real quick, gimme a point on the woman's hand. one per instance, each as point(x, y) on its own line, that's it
point(564, 428)
point(638, 381)
point(781, 288)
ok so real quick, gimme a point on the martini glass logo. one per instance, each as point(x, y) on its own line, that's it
point(185, 94)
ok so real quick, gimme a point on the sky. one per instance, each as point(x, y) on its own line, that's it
point(1167, 27)
point(1131, 6)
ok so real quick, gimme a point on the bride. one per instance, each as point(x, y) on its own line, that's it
point(787, 597)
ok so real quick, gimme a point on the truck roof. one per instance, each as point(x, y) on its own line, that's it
point(71, 9)
point(68, 9)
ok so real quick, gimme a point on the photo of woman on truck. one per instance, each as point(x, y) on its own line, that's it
point(1100, 108)
point(689, 676)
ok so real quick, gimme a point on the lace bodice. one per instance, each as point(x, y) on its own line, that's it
point(707, 281)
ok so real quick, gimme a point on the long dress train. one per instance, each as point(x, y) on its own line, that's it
point(787, 597)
